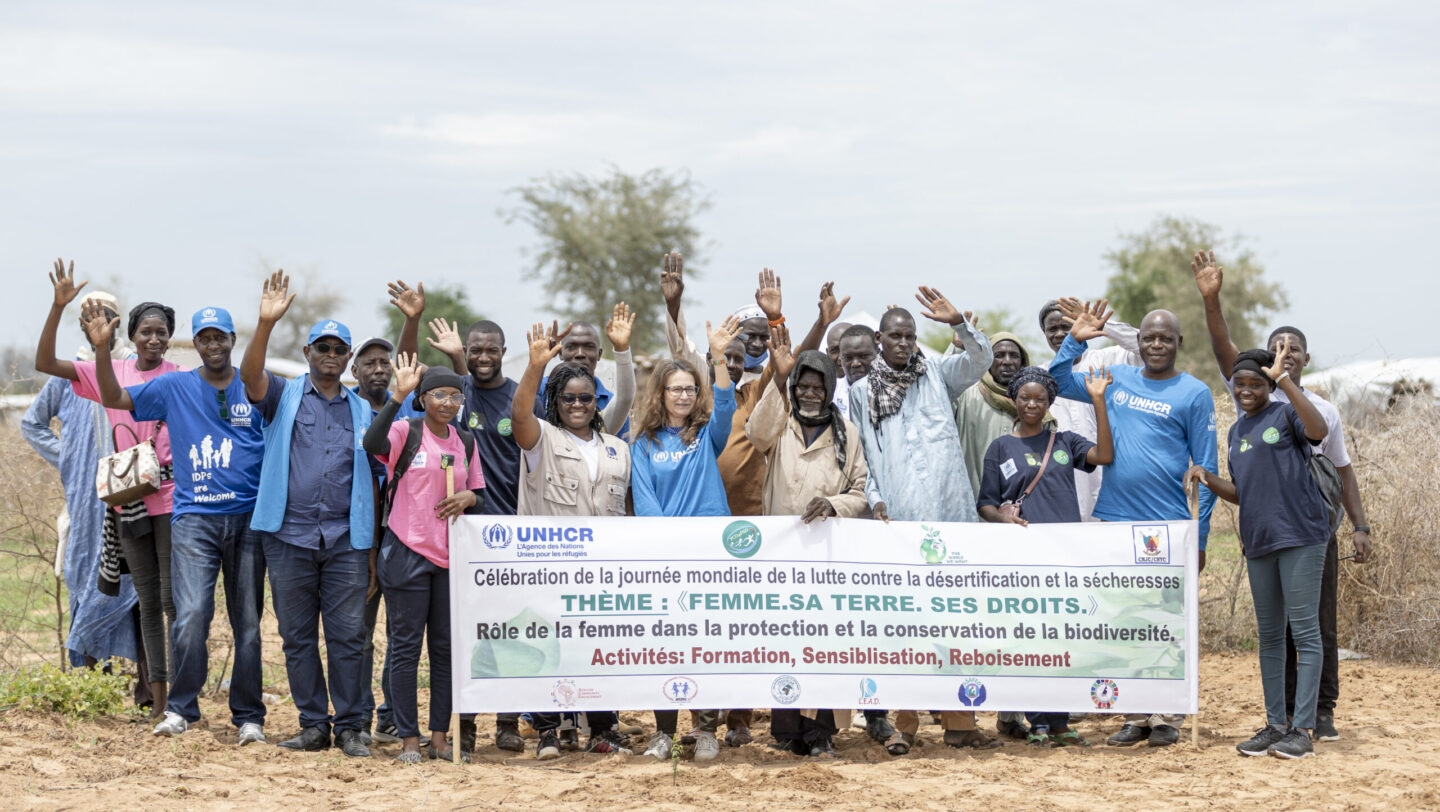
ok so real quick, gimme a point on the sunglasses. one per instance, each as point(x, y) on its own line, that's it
point(683, 390)
point(224, 405)
point(326, 348)
point(572, 398)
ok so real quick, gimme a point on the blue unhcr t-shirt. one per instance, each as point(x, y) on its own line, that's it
point(1011, 464)
point(487, 414)
point(217, 459)
point(669, 478)
point(1159, 428)
point(1280, 504)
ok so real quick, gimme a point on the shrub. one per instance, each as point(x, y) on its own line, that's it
point(81, 693)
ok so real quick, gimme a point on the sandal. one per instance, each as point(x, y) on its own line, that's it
point(409, 758)
point(1070, 738)
point(900, 745)
point(1042, 740)
point(448, 754)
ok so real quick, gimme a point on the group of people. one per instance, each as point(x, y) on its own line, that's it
point(345, 495)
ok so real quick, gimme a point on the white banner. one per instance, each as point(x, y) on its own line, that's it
point(634, 613)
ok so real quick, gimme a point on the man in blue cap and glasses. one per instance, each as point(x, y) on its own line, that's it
point(316, 512)
point(216, 437)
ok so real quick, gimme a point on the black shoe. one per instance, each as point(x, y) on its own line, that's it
point(799, 748)
point(880, 729)
point(822, 750)
point(570, 739)
point(1325, 729)
point(1296, 744)
point(548, 746)
point(1259, 744)
point(309, 739)
point(1163, 736)
point(385, 733)
point(1128, 735)
point(350, 744)
point(507, 737)
point(467, 734)
point(1011, 729)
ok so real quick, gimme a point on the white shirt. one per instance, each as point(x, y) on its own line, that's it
point(589, 449)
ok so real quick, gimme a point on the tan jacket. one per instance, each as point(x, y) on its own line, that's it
point(560, 484)
point(796, 474)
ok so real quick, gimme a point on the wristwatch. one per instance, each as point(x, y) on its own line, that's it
point(1360, 528)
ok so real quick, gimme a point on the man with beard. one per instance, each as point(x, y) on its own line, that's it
point(1163, 421)
point(916, 470)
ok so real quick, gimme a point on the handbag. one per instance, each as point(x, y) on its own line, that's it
point(1012, 509)
point(125, 476)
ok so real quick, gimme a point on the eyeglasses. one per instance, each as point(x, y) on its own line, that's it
point(683, 390)
point(326, 348)
point(454, 400)
point(572, 398)
point(224, 405)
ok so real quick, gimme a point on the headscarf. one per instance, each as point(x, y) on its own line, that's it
point(1256, 361)
point(743, 313)
point(139, 312)
point(889, 385)
point(121, 348)
point(828, 416)
point(995, 394)
point(1025, 375)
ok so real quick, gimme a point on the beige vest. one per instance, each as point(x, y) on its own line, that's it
point(560, 483)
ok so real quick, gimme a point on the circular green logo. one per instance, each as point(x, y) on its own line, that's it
point(474, 420)
point(741, 539)
point(1061, 457)
point(503, 427)
point(1271, 435)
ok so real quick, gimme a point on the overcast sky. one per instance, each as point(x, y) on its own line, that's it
point(994, 150)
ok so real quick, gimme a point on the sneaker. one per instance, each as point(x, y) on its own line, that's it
point(738, 736)
point(570, 739)
point(1325, 729)
point(660, 746)
point(1296, 744)
point(1259, 744)
point(1012, 729)
point(1128, 735)
point(548, 746)
point(609, 741)
point(172, 725)
point(252, 732)
point(385, 734)
point(467, 734)
point(507, 737)
point(707, 747)
point(880, 729)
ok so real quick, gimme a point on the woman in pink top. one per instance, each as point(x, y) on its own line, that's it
point(142, 528)
point(414, 555)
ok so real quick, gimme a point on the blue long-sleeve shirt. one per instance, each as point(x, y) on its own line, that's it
point(1159, 428)
point(668, 478)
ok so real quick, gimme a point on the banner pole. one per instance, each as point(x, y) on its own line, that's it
point(1195, 515)
point(448, 463)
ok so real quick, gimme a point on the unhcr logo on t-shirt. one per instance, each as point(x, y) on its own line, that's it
point(1132, 401)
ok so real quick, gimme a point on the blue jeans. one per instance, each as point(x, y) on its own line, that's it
point(202, 547)
point(308, 585)
point(1285, 587)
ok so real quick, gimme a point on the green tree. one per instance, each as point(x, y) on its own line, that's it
point(1152, 271)
point(442, 301)
point(601, 241)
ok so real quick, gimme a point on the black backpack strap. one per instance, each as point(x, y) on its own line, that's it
point(402, 464)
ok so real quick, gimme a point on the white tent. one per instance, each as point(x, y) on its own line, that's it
point(1366, 386)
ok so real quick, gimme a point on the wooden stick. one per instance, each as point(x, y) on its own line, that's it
point(1195, 719)
point(448, 463)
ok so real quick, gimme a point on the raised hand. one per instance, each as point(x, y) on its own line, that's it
point(407, 374)
point(1278, 368)
point(1097, 381)
point(937, 307)
point(99, 326)
point(65, 288)
point(780, 354)
point(672, 278)
point(829, 308)
point(555, 335)
point(618, 328)
point(1208, 275)
point(410, 301)
point(768, 294)
point(446, 337)
point(1070, 308)
point(275, 297)
point(1091, 321)
point(541, 348)
point(721, 338)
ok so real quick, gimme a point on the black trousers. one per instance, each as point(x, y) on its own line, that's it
point(786, 724)
point(1329, 640)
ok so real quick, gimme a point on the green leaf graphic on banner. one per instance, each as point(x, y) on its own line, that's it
point(516, 658)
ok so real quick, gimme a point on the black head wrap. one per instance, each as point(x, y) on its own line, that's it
point(140, 312)
point(1256, 361)
point(1038, 375)
point(817, 361)
point(560, 377)
point(436, 378)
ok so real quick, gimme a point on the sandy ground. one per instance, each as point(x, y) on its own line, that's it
point(1389, 757)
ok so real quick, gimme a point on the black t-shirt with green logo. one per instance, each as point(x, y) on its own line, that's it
point(487, 415)
point(1011, 463)
point(1280, 505)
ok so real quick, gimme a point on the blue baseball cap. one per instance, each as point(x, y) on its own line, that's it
point(329, 327)
point(207, 318)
